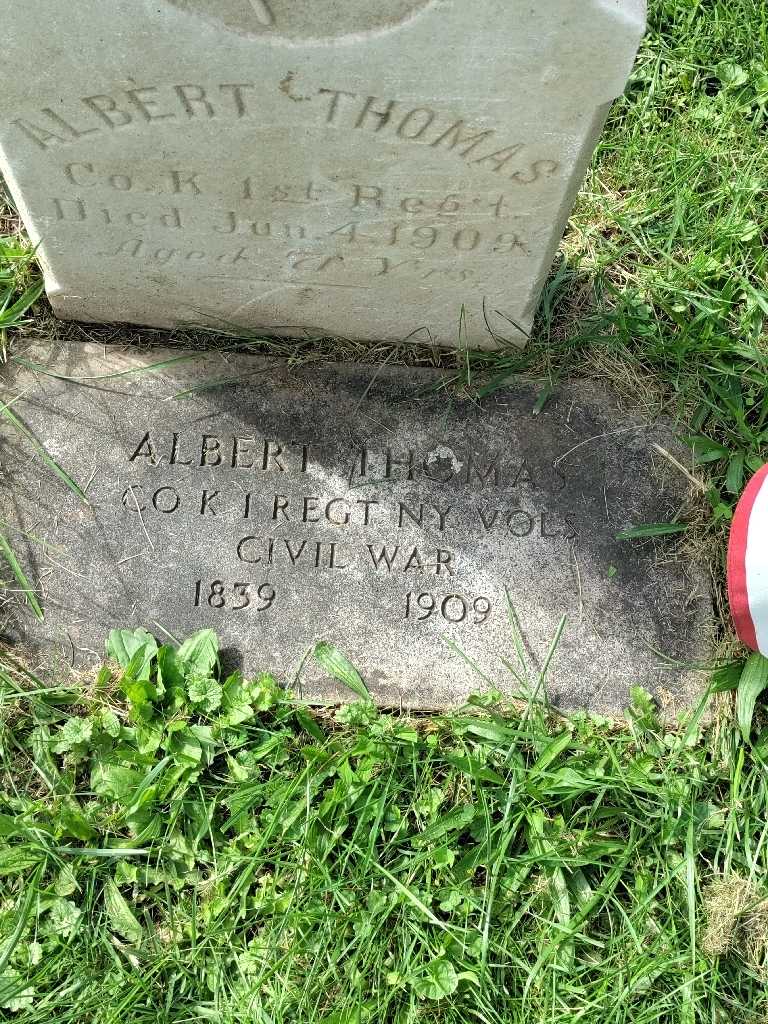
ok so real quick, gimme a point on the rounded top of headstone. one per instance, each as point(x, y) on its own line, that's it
point(304, 20)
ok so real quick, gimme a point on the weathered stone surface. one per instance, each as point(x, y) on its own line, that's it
point(384, 171)
point(363, 506)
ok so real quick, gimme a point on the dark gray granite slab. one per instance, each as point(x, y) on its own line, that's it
point(367, 507)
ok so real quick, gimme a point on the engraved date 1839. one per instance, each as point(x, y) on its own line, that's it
point(237, 596)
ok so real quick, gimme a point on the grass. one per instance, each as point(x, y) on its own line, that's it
point(499, 864)
point(17, 292)
point(665, 262)
point(179, 847)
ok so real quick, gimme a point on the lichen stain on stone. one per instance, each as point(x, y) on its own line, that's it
point(443, 458)
point(286, 86)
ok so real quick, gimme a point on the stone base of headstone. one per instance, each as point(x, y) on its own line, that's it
point(370, 507)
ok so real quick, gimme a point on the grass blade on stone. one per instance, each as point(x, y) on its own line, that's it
point(21, 577)
point(332, 661)
point(540, 690)
point(10, 664)
point(471, 662)
point(13, 401)
point(39, 541)
point(47, 459)
point(133, 371)
point(211, 385)
point(651, 530)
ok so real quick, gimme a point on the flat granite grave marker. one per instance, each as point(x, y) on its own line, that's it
point(378, 171)
point(363, 506)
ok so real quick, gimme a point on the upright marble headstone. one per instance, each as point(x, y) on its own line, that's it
point(397, 170)
point(363, 506)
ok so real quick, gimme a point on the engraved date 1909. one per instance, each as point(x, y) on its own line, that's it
point(454, 608)
point(236, 596)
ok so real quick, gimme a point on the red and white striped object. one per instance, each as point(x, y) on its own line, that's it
point(748, 564)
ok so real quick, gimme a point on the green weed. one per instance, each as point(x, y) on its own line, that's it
point(181, 845)
point(20, 286)
point(664, 272)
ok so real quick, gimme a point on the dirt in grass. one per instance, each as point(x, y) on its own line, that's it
point(736, 912)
